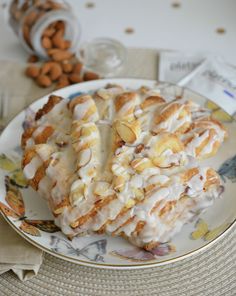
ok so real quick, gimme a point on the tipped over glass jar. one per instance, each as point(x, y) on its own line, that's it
point(46, 28)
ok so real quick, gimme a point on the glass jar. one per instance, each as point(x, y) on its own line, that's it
point(36, 22)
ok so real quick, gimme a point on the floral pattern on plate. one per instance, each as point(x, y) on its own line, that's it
point(138, 255)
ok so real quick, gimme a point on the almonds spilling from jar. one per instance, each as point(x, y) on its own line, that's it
point(62, 73)
point(62, 67)
point(27, 13)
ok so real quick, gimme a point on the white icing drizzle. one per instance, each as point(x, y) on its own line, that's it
point(31, 168)
point(173, 122)
point(76, 168)
point(196, 142)
point(44, 187)
point(39, 130)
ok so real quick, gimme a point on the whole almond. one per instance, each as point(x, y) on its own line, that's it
point(49, 32)
point(67, 44)
point(57, 40)
point(67, 67)
point(77, 68)
point(75, 78)
point(43, 81)
point(46, 68)
point(55, 5)
point(60, 25)
point(47, 5)
point(31, 18)
point(51, 51)
point(90, 76)
point(55, 72)
point(61, 55)
point(33, 59)
point(62, 82)
point(46, 42)
point(32, 71)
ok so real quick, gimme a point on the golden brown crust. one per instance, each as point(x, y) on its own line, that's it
point(212, 179)
point(52, 101)
point(44, 135)
point(58, 209)
point(170, 110)
point(187, 175)
point(151, 101)
point(27, 134)
point(97, 206)
point(40, 173)
point(28, 155)
point(78, 100)
point(124, 98)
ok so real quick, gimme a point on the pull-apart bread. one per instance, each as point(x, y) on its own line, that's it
point(121, 162)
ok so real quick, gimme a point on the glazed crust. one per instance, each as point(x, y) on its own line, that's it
point(142, 187)
point(52, 101)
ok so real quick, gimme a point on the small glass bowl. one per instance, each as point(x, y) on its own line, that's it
point(104, 56)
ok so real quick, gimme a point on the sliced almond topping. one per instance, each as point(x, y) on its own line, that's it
point(77, 192)
point(139, 194)
point(84, 157)
point(119, 183)
point(101, 188)
point(151, 101)
point(130, 203)
point(140, 164)
point(128, 131)
point(104, 94)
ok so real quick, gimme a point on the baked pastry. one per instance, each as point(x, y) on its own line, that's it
point(122, 162)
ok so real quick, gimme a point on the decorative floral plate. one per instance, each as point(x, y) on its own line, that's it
point(29, 215)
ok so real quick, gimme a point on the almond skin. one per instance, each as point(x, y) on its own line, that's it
point(43, 81)
point(90, 76)
point(46, 68)
point(67, 44)
point(60, 25)
point(55, 71)
point(62, 82)
point(31, 18)
point(46, 42)
point(75, 78)
point(61, 55)
point(57, 40)
point(49, 32)
point(67, 67)
point(51, 51)
point(32, 71)
point(33, 59)
point(77, 68)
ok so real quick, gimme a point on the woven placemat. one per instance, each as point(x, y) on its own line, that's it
point(212, 272)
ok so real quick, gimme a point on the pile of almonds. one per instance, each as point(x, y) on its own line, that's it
point(63, 68)
point(63, 73)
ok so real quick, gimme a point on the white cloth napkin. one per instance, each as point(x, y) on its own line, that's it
point(17, 254)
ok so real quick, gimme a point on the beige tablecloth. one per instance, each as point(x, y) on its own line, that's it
point(212, 272)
